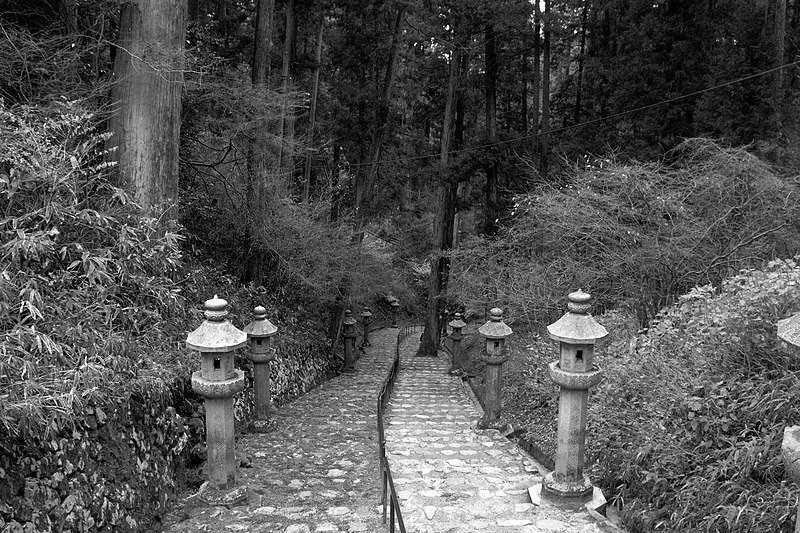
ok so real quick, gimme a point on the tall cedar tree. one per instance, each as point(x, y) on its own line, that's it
point(146, 99)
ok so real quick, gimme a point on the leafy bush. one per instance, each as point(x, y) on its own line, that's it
point(90, 323)
point(633, 234)
point(686, 429)
point(83, 273)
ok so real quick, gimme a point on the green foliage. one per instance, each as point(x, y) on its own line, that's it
point(643, 53)
point(83, 273)
point(637, 234)
point(687, 427)
point(89, 327)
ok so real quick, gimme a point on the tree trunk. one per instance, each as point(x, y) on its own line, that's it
point(458, 145)
point(257, 160)
point(524, 96)
point(445, 213)
point(194, 10)
point(543, 155)
point(313, 112)
point(382, 115)
point(146, 95)
point(537, 61)
point(780, 47)
point(577, 116)
point(262, 49)
point(490, 55)
point(285, 159)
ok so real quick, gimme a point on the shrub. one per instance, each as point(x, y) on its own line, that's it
point(686, 430)
point(632, 234)
point(90, 323)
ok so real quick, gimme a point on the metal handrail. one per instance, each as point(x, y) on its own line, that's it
point(387, 483)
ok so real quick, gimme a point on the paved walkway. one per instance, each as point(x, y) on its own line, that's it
point(318, 472)
point(451, 477)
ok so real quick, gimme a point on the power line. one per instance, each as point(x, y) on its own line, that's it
point(588, 122)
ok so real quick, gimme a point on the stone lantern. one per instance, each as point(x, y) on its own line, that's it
point(789, 331)
point(395, 310)
point(258, 333)
point(495, 331)
point(457, 365)
point(366, 318)
point(218, 381)
point(576, 332)
point(349, 334)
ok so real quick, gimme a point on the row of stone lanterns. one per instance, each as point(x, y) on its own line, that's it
point(218, 381)
point(574, 373)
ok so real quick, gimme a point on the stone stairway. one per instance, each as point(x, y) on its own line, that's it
point(451, 477)
point(318, 472)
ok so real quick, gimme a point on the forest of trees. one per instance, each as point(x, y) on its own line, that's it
point(393, 110)
point(510, 150)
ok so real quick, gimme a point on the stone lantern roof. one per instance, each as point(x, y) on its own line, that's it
point(348, 318)
point(789, 329)
point(366, 313)
point(577, 326)
point(260, 327)
point(216, 333)
point(458, 322)
point(495, 328)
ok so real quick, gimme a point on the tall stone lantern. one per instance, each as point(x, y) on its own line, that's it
point(457, 364)
point(577, 331)
point(495, 331)
point(789, 331)
point(366, 318)
point(218, 381)
point(258, 333)
point(349, 334)
point(395, 310)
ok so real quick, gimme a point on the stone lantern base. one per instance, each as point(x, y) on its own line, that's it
point(594, 502)
point(790, 451)
point(264, 426)
point(498, 423)
point(578, 490)
point(219, 497)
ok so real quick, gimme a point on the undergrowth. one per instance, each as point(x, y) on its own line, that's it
point(686, 430)
point(97, 415)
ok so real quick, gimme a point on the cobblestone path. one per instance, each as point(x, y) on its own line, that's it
point(318, 472)
point(451, 477)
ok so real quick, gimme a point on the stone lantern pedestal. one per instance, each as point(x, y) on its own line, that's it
point(457, 364)
point(395, 310)
point(574, 373)
point(259, 332)
point(790, 452)
point(218, 381)
point(349, 334)
point(495, 331)
point(789, 331)
point(366, 318)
